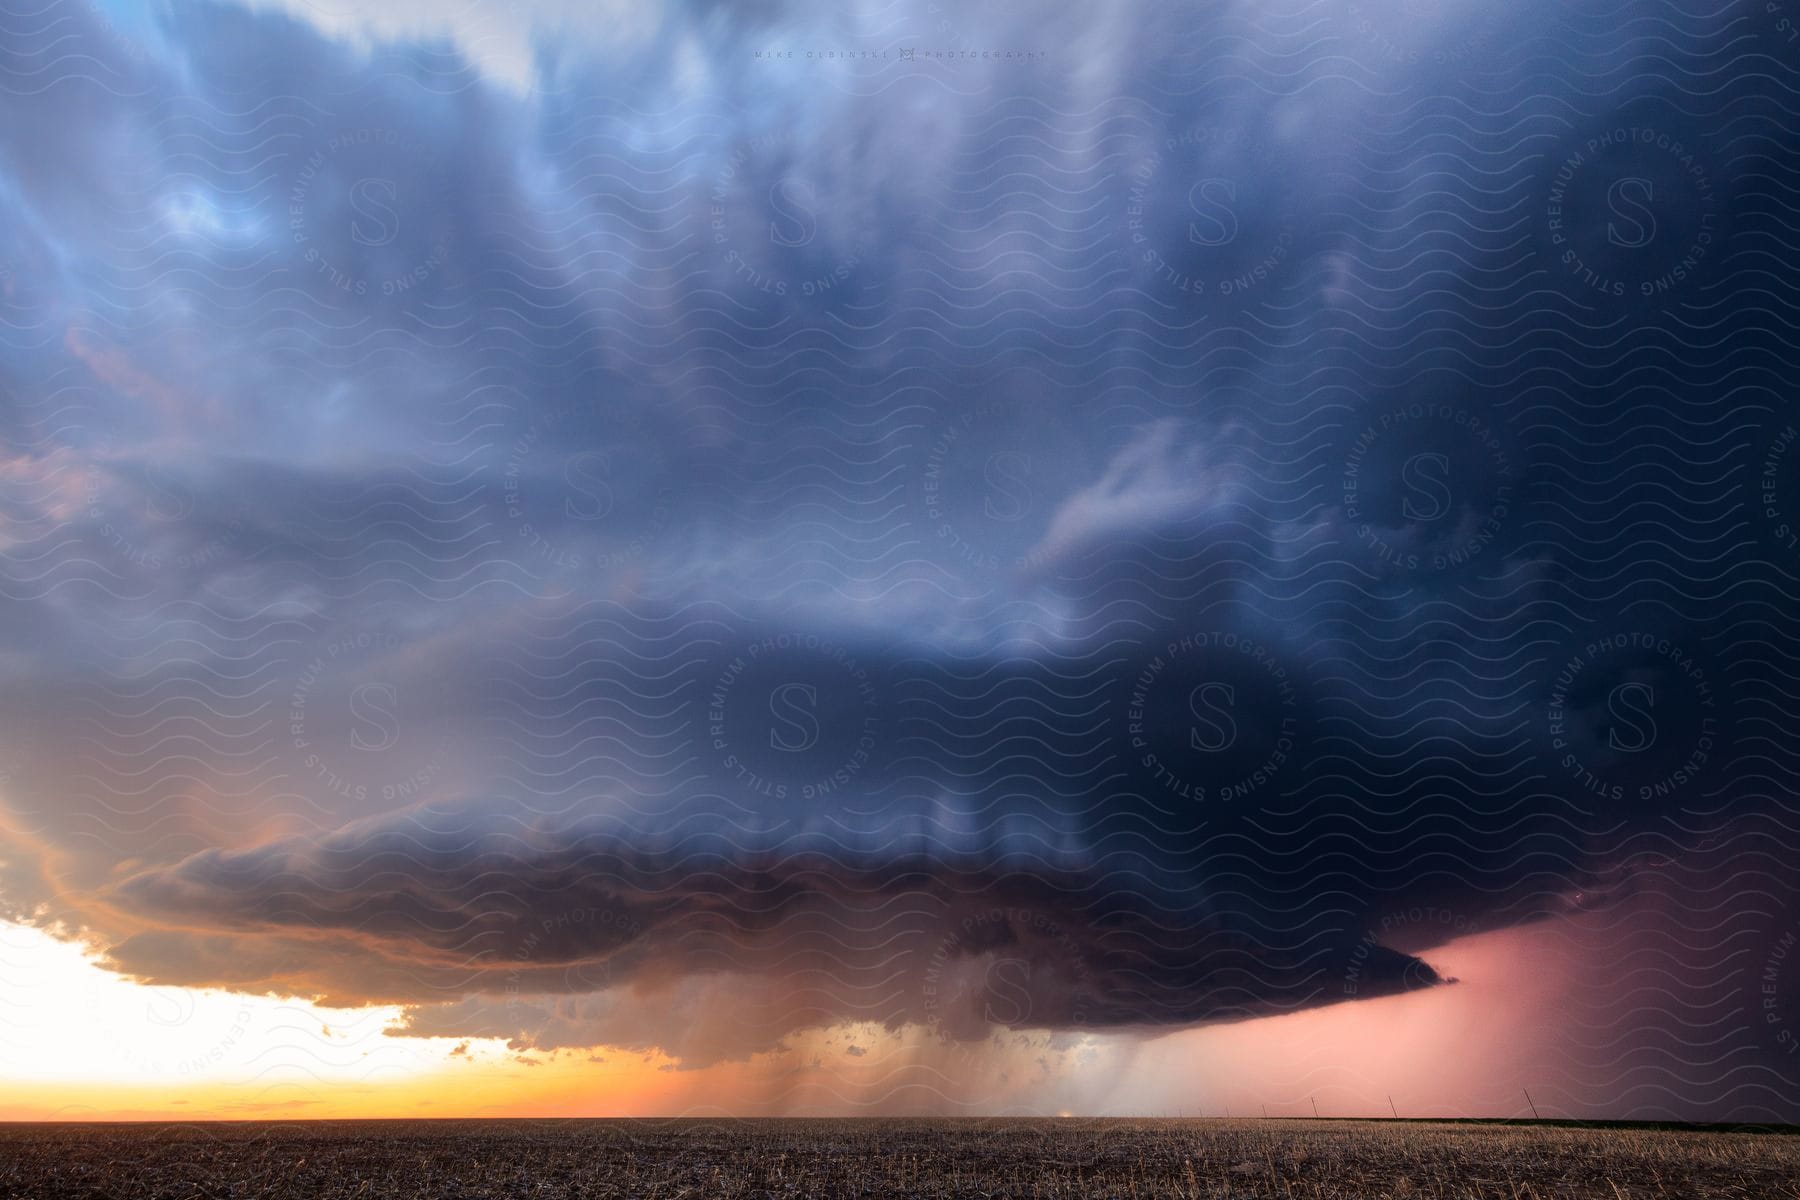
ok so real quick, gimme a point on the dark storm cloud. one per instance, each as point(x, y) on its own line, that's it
point(1084, 540)
point(507, 909)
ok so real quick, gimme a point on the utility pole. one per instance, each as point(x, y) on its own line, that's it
point(1392, 1109)
point(1534, 1111)
point(1315, 1105)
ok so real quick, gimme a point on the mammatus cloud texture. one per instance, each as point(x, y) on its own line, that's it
point(680, 528)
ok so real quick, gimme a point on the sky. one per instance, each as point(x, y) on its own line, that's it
point(893, 557)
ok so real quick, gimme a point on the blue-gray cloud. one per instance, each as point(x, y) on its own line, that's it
point(797, 480)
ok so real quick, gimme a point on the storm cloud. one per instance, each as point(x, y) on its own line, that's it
point(675, 530)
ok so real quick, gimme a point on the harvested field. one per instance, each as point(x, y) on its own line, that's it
point(1215, 1159)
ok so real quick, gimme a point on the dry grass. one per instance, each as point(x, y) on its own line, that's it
point(1218, 1160)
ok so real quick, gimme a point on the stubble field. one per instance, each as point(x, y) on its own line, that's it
point(1214, 1159)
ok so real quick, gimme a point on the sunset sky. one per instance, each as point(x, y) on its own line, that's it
point(902, 557)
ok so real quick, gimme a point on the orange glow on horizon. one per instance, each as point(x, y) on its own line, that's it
point(87, 1044)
